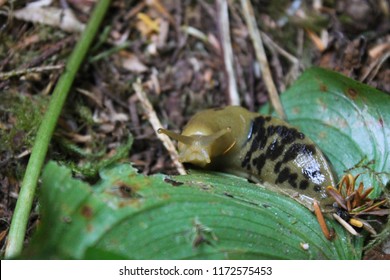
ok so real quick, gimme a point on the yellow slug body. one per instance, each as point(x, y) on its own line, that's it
point(260, 148)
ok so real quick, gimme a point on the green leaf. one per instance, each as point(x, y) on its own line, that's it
point(348, 120)
point(199, 216)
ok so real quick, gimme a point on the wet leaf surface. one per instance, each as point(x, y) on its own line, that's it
point(199, 216)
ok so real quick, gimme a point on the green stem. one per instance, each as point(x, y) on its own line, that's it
point(26, 195)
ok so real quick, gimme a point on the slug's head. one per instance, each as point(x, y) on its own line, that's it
point(200, 148)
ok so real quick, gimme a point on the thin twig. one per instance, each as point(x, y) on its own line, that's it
point(224, 27)
point(294, 69)
point(7, 75)
point(271, 44)
point(261, 57)
point(385, 7)
point(156, 124)
point(317, 41)
point(190, 30)
point(374, 67)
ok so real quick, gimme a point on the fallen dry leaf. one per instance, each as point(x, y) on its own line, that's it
point(62, 18)
point(132, 63)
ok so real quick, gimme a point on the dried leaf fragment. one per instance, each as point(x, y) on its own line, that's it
point(62, 18)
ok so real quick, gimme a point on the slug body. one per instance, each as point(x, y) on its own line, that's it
point(260, 148)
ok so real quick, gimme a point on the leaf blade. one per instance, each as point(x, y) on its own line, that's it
point(208, 216)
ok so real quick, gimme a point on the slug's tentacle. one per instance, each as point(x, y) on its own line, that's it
point(206, 140)
point(188, 140)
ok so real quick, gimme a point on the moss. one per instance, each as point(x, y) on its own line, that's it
point(84, 113)
point(20, 118)
point(94, 164)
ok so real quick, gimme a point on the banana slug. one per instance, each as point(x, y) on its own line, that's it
point(260, 148)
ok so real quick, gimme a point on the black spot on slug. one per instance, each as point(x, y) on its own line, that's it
point(283, 175)
point(274, 150)
point(312, 174)
point(317, 188)
point(271, 130)
point(257, 140)
point(277, 166)
point(296, 149)
point(292, 180)
point(245, 162)
point(287, 135)
point(260, 162)
point(286, 175)
point(254, 161)
point(259, 135)
point(303, 184)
